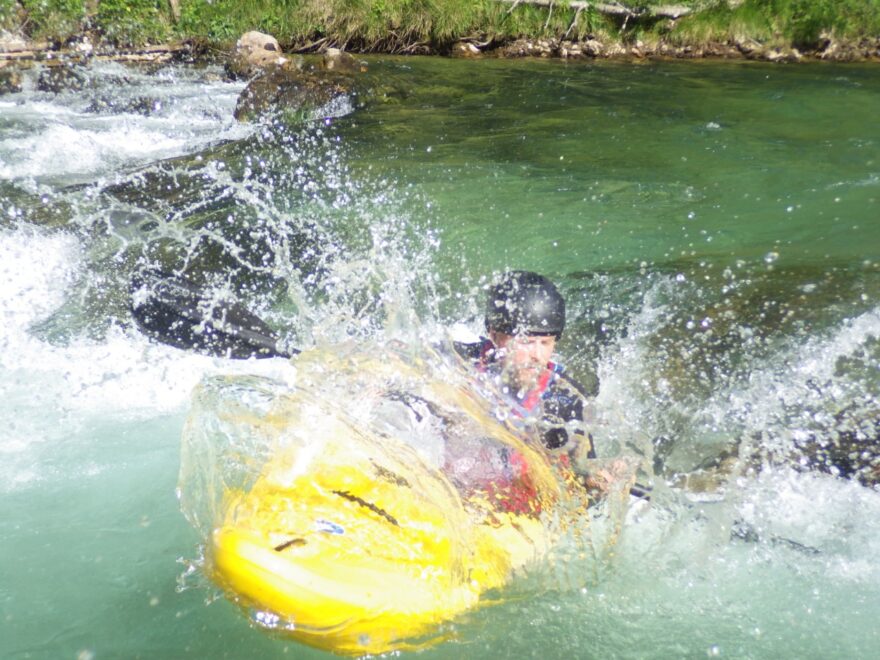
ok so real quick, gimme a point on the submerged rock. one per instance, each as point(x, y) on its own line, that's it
point(10, 79)
point(141, 105)
point(564, 49)
point(286, 92)
point(852, 453)
point(287, 86)
point(465, 49)
point(57, 78)
point(12, 43)
point(254, 53)
point(296, 89)
point(593, 48)
point(830, 48)
point(341, 62)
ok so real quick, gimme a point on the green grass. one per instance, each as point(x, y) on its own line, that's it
point(8, 14)
point(134, 22)
point(721, 23)
point(394, 25)
point(385, 24)
point(800, 23)
point(56, 20)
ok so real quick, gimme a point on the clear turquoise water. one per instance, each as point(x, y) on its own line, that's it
point(714, 226)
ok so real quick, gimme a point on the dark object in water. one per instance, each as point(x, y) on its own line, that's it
point(175, 311)
point(745, 532)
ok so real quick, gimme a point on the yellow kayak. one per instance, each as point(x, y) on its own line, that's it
point(365, 505)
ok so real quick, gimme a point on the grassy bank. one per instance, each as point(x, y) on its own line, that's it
point(435, 25)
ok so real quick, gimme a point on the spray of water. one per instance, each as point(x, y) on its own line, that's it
point(759, 377)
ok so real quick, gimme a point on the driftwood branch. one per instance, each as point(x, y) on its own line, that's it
point(175, 10)
point(573, 22)
point(43, 53)
point(616, 9)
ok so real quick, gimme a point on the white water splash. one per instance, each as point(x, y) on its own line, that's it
point(48, 392)
point(133, 119)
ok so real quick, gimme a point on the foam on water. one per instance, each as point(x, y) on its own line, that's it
point(121, 375)
point(623, 371)
point(64, 150)
point(50, 391)
point(124, 118)
point(833, 516)
point(807, 390)
point(763, 523)
point(132, 119)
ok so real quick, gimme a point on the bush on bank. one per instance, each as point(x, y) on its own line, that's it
point(433, 25)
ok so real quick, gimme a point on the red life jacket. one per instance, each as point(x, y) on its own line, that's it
point(525, 406)
point(518, 494)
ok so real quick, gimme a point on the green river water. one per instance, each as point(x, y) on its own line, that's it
point(714, 226)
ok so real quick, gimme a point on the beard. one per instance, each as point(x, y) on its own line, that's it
point(522, 378)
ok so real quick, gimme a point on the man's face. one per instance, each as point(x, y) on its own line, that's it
point(524, 357)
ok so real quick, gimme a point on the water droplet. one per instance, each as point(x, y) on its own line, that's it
point(771, 257)
point(266, 619)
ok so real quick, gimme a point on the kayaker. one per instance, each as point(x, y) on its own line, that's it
point(525, 316)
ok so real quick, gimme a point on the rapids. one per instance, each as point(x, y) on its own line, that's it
point(714, 227)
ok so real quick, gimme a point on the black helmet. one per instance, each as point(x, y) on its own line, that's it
point(525, 303)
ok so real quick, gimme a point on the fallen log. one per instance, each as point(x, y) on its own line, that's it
point(43, 53)
point(616, 9)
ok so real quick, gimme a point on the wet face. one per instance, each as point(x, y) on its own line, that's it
point(524, 357)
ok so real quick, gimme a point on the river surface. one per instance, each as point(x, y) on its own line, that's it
point(715, 228)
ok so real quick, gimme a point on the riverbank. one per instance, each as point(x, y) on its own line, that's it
point(786, 30)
